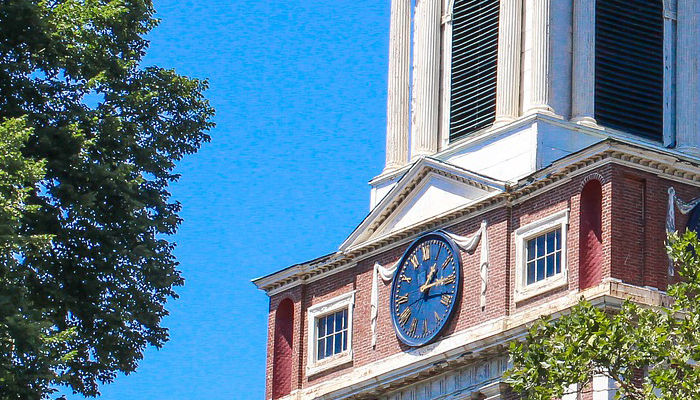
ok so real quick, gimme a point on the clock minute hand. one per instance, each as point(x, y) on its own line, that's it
point(440, 281)
point(426, 285)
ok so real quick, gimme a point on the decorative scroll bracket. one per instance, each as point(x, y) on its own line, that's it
point(684, 208)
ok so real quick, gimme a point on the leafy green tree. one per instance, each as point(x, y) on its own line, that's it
point(650, 353)
point(104, 135)
point(31, 349)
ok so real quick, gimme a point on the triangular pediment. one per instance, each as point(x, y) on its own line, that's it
point(428, 189)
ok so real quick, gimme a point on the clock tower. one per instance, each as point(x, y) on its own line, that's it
point(537, 152)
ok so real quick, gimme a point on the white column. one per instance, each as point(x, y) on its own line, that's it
point(508, 65)
point(603, 388)
point(426, 78)
point(688, 64)
point(583, 85)
point(539, 94)
point(670, 45)
point(399, 82)
point(446, 73)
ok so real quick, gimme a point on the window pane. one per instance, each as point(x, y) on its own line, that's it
point(338, 343)
point(329, 325)
point(540, 246)
point(339, 323)
point(321, 352)
point(345, 340)
point(530, 272)
point(550, 266)
point(540, 269)
point(321, 327)
point(558, 238)
point(530, 250)
point(551, 242)
point(557, 260)
point(345, 318)
point(329, 346)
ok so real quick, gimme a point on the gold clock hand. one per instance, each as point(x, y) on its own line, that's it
point(441, 281)
point(433, 270)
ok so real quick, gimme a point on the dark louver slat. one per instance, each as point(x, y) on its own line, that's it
point(629, 66)
point(474, 51)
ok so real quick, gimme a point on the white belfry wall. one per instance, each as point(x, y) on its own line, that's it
point(546, 67)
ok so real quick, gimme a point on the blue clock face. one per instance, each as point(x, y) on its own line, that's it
point(425, 289)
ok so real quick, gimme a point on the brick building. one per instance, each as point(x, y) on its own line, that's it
point(547, 148)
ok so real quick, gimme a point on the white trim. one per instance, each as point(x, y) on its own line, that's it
point(522, 289)
point(321, 310)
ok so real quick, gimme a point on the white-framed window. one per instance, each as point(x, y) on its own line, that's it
point(330, 333)
point(540, 257)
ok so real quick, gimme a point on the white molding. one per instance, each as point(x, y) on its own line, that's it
point(320, 310)
point(523, 291)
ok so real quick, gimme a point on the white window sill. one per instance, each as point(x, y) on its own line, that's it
point(328, 363)
point(543, 286)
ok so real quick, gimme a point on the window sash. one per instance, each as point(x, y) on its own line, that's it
point(331, 334)
point(543, 256)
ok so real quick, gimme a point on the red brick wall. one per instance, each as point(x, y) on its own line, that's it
point(295, 295)
point(639, 208)
point(282, 359)
point(632, 233)
point(590, 235)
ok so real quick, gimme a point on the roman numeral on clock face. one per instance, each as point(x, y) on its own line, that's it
point(414, 261)
point(446, 299)
point(405, 315)
point(402, 299)
point(426, 252)
point(447, 261)
point(405, 278)
point(414, 325)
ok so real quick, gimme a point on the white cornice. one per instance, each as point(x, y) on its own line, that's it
point(666, 164)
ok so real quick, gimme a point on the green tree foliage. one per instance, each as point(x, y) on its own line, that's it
point(99, 137)
point(32, 351)
point(650, 353)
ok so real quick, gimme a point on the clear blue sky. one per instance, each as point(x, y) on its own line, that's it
point(299, 89)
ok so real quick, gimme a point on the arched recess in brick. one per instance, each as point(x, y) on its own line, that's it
point(282, 361)
point(590, 235)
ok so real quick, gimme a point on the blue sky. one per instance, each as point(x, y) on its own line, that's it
point(300, 94)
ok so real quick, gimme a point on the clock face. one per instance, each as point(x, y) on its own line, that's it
point(425, 289)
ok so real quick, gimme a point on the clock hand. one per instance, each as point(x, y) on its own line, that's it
point(432, 272)
point(441, 281)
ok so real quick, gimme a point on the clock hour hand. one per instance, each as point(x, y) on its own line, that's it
point(432, 272)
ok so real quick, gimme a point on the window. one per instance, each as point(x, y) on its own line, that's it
point(474, 53)
point(544, 256)
point(541, 256)
point(330, 333)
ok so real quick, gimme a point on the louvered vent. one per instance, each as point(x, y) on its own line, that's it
point(629, 66)
point(474, 51)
